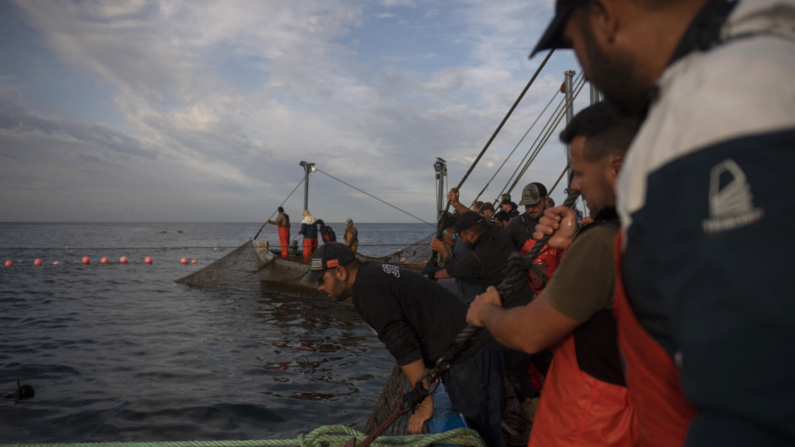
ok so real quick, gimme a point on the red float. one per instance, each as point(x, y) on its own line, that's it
point(9, 263)
point(38, 262)
point(148, 260)
point(86, 260)
point(123, 260)
point(184, 260)
point(104, 260)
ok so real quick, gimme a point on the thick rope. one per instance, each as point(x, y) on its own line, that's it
point(327, 436)
point(494, 135)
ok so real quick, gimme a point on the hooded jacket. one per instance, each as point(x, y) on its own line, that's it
point(705, 189)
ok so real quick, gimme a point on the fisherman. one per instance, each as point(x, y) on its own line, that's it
point(488, 261)
point(326, 232)
point(535, 200)
point(507, 196)
point(283, 223)
point(509, 208)
point(501, 218)
point(467, 288)
point(487, 211)
point(309, 230)
point(351, 236)
point(418, 320)
point(476, 206)
point(585, 400)
point(705, 324)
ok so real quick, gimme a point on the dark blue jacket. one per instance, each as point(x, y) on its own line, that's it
point(309, 231)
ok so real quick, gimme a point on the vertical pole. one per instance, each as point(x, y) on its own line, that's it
point(569, 113)
point(307, 169)
point(441, 172)
point(595, 95)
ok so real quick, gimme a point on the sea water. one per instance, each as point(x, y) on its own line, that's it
point(121, 352)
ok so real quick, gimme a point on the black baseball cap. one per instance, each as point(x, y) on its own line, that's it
point(553, 36)
point(467, 221)
point(328, 256)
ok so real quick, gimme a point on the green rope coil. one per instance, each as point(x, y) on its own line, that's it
point(327, 436)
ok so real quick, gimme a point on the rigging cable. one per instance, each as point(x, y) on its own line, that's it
point(533, 147)
point(546, 138)
point(515, 147)
point(274, 213)
point(535, 75)
point(376, 198)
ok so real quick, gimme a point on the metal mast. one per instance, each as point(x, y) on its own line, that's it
point(308, 167)
point(441, 172)
point(569, 112)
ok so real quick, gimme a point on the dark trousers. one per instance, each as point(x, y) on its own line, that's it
point(476, 390)
point(517, 363)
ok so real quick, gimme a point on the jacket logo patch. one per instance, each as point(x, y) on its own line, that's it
point(391, 269)
point(730, 206)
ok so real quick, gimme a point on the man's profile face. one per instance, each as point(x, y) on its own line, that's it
point(535, 211)
point(487, 214)
point(506, 207)
point(611, 70)
point(333, 285)
point(590, 178)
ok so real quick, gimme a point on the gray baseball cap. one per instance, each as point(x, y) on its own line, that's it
point(533, 193)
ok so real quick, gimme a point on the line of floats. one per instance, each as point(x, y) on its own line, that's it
point(86, 260)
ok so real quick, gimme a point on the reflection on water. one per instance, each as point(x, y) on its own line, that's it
point(122, 353)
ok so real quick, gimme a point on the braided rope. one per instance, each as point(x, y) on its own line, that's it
point(327, 436)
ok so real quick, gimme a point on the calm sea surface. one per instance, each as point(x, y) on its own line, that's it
point(122, 353)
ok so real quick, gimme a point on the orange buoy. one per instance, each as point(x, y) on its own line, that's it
point(104, 260)
point(56, 263)
point(123, 259)
point(184, 260)
point(194, 262)
point(9, 263)
point(148, 260)
point(38, 262)
point(86, 260)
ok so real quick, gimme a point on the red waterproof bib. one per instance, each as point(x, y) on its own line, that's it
point(663, 415)
point(549, 260)
point(579, 410)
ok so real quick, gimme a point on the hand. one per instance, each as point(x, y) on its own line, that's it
point(452, 196)
point(490, 298)
point(437, 245)
point(586, 221)
point(561, 223)
point(421, 415)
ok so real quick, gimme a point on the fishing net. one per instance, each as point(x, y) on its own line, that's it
point(248, 266)
point(396, 386)
point(239, 270)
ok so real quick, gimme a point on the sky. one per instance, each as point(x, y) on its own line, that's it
point(200, 111)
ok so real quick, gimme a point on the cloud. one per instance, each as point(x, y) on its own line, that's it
point(217, 102)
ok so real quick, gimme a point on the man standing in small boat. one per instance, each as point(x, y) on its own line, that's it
point(309, 230)
point(283, 223)
point(351, 236)
point(418, 320)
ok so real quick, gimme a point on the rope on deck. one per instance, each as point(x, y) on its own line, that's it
point(326, 436)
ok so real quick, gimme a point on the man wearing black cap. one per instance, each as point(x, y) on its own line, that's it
point(418, 320)
point(712, 82)
point(535, 201)
point(488, 261)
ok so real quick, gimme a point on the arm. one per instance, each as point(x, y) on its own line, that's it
point(424, 411)
point(442, 274)
point(441, 247)
point(561, 223)
point(452, 196)
point(469, 265)
point(303, 229)
point(529, 328)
